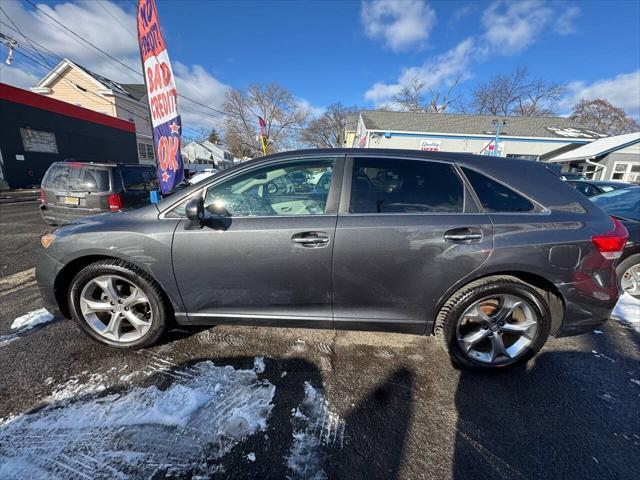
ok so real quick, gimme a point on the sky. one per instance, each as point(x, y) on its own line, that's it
point(355, 52)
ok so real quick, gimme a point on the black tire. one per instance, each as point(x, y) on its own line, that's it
point(158, 305)
point(450, 313)
point(625, 265)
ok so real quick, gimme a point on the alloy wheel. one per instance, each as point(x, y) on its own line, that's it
point(116, 308)
point(497, 329)
point(630, 280)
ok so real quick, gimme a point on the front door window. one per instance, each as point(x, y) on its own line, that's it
point(299, 188)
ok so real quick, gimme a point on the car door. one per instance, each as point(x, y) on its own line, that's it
point(407, 231)
point(270, 259)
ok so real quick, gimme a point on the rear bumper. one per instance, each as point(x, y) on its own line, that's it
point(62, 216)
point(586, 307)
point(47, 270)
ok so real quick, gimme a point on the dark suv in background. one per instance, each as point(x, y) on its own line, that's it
point(489, 254)
point(72, 190)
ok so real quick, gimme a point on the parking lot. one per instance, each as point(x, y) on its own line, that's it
point(251, 402)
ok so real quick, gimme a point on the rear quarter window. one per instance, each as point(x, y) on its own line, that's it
point(496, 197)
point(134, 179)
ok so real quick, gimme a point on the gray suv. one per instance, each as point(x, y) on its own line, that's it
point(71, 190)
point(490, 255)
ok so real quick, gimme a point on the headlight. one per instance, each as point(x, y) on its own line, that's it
point(47, 240)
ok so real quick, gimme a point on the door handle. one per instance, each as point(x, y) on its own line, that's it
point(311, 239)
point(463, 234)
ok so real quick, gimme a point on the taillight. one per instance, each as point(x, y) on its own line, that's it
point(42, 197)
point(114, 201)
point(611, 244)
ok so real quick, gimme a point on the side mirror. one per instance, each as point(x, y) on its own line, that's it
point(217, 209)
point(194, 210)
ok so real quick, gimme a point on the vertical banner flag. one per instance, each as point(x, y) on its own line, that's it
point(263, 134)
point(162, 96)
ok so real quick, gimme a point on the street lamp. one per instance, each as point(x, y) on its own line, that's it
point(498, 125)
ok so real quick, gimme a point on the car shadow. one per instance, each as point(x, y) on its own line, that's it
point(564, 415)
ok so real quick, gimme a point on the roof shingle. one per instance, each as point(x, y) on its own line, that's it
point(454, 123)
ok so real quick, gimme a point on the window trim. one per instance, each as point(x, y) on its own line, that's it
point(333, 196)
point(539, 209)
point(345, 199)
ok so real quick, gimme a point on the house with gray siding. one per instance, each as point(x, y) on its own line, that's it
point(611, 158)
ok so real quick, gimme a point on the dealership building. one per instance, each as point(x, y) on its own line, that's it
point(37, 131)
point(519, 137)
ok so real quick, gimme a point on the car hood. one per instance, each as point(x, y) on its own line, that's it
point(108, 221)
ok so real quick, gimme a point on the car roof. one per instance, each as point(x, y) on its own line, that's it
point(387, 152)
point(602, 182)
point(102, 164)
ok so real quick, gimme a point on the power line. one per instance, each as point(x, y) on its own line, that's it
point(85, 93)
point(237, 117)
point(36, 51)
point(116, 19)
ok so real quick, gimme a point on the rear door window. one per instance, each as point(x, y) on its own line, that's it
point(77, 178)
point(494, 196)
point(380, 185)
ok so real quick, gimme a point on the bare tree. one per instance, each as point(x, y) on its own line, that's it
point(327, 131)
point(208, 134)
point(603, 117)
point(516, 93)
point(276, 105)
point(412, 97)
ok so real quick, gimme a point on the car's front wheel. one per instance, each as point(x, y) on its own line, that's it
point(117, 304)
point(493, 322)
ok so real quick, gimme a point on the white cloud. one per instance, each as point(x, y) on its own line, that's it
point(564, 23)
point(507, 29)
point(462, 12)
point(512, 27)
point(623, 91)
point(197, 84)
point(104, 24)
point(313, 111)
point(18, 76)
point(442, 70)
point(400, 24)
point(111, 28)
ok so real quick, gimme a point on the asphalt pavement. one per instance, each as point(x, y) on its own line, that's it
point(338, 404)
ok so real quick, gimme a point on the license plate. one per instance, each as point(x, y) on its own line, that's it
point(71, 201)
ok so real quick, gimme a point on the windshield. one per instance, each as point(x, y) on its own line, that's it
point(77, 178)
point(623, 203)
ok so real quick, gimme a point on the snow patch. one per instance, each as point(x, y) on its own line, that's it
point(314, 427)
point(627, 311)
point(31, 319)
point(258, 364)
point(145, 432)
point(75, 388)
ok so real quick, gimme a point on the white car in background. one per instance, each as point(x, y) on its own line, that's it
point(198, 177)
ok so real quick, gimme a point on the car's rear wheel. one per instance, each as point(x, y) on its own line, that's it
point(629, 275)
point(117, 304)
point(493, 322)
